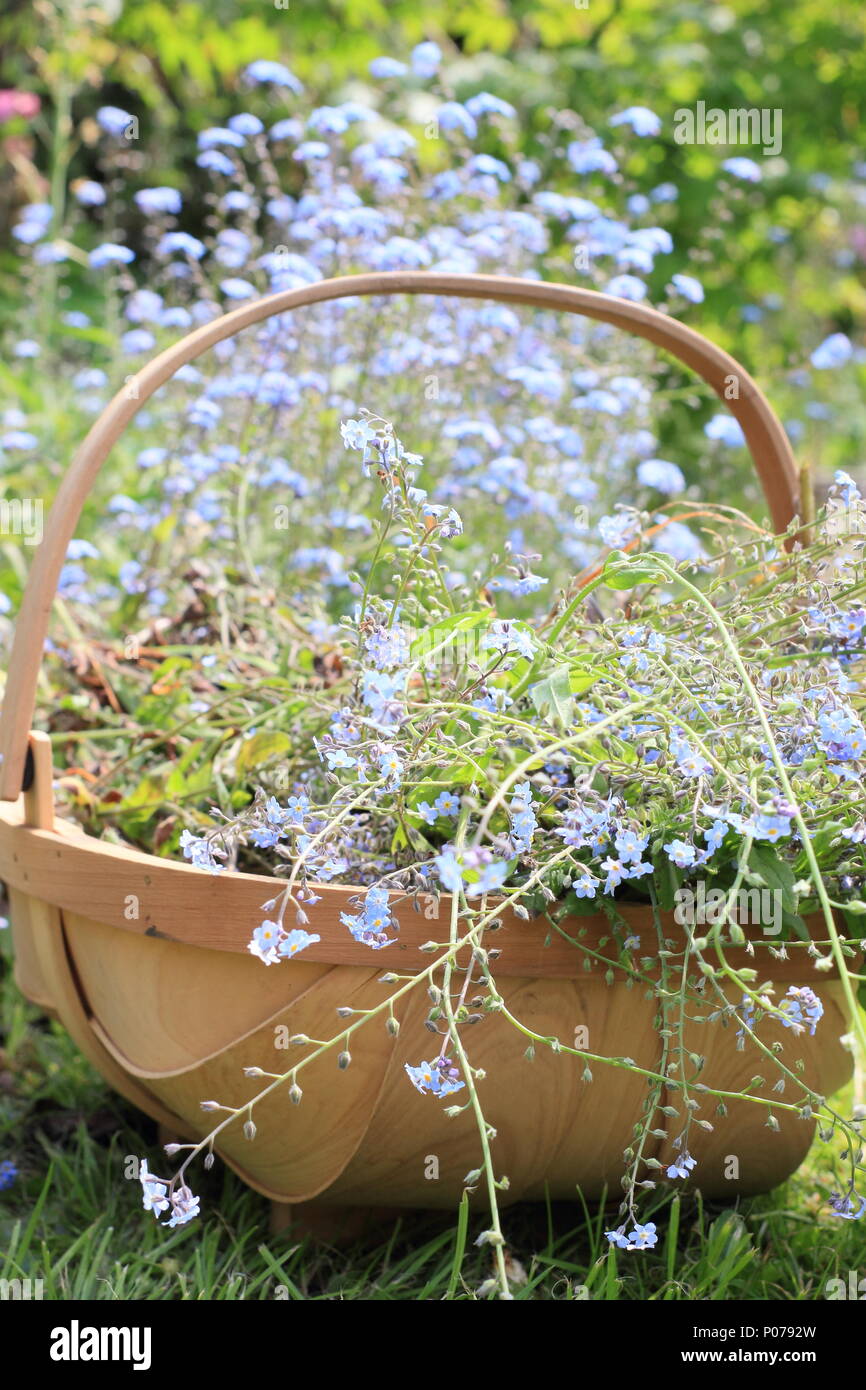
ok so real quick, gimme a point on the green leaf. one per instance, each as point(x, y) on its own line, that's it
point(667, 878)
point(553, 698)
point(261, 749)
point(435, 639)
point(793, 922)
point(766, 866)
point(580, 680)
point(622, 571)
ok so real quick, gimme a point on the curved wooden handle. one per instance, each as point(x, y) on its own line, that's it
point(764, 436)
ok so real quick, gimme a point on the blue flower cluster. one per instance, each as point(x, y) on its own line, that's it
point(371, 925)
point(439, 1078)
point(643, 1237)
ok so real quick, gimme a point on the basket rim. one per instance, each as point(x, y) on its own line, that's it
point(180, 903)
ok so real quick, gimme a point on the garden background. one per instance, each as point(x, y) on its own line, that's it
point(779, 258)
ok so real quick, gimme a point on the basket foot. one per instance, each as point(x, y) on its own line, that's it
point(331, 1225)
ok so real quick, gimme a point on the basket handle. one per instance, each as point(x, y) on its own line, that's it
point(764, 434)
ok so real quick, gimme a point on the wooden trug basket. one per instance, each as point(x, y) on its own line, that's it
point(169, 1006)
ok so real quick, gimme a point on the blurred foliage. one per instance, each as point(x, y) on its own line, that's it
point(793, 249)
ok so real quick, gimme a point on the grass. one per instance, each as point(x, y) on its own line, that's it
point(74, 1222)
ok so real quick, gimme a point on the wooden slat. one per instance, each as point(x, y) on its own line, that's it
point(177, 902)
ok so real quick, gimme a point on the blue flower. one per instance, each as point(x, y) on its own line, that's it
point(36, 218)
point(137, 340)
point(198, 850)
point(627, 287)
point(690, 288)
point(681, 853)
point(488, 874)
point(387, 648)
point(660, 474)
point(618, 1238)
point(88, 194)
point(743, 168)
point(772, 828)
point(428, 813)
point(81, 550)
point(642, 1237)
point(726, 430)
point(449, 523)
point(844, 1206)
point(835, 351)
point(391, 767)
point(453, 116)
point(447, 804)
point(641, 120)
point(681, 1166)
point(246, 124)
point(426, 58)
point(109, 253)
point(449, 869)
point(689, 762)
point(835, 724)
point(616, 871)
point(296, 940)
point(328, 120)
point(616, 530)
point(715, 835)
point(263, 70)
point(677, 541)
point(338, 757)
point(234, 288)
point(505, 637)
point(439, 1078)
point(371, 925)
point(18, 439)
point(487, 166)
point(265, 941)
point(638, 869)
point(490, 879)
point(114, 121)
point(523, 827)
point(585, 885)
point(801, 1007)
point(845, 488)
point(217, 163)
point(629, 845)
point(486, 104)
point(8, 1174)
point(589, 157)
point(387, 67)
point(215, 136)
point(154, 201)
point(184, 243)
